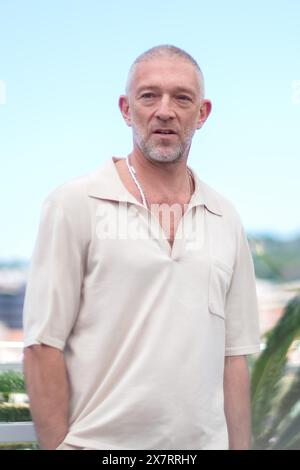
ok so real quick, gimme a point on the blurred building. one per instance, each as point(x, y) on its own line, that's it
point(12, 292)
point(272, 299)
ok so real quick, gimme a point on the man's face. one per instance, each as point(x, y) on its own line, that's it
point(164, 108)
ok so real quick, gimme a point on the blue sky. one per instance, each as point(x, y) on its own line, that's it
point(64, 64)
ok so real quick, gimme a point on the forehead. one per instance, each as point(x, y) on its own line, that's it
point(164, 72)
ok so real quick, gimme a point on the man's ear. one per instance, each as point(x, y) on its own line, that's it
point(204, 112)
point(124, 108)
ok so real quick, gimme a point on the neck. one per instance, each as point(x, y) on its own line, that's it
point(162, 182)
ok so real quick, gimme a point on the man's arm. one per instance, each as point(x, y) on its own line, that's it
point(48, 390)
point(237, 402)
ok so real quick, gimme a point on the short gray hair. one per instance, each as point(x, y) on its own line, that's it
point(166, 50)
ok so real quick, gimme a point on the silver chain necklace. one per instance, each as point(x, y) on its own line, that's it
point(139, 186)
point(133, 174)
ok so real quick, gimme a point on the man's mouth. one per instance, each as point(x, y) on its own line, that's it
point(164, 132)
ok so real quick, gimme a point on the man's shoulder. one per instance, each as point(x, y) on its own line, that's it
point(74, 192)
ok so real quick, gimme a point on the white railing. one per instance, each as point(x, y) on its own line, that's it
point(12, 344)
point(11, 352)
point(17, 432)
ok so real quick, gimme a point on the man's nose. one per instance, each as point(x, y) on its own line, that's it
point(165, 110)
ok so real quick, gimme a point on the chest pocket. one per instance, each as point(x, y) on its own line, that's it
point(219, 282)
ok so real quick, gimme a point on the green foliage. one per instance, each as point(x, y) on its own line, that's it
point(275, 259)
point(290, 438)
point(19, 446)
point(11, 412)
point(12, 382)
point(275, 417)
point(287, 402)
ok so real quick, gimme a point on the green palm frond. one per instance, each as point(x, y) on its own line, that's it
point(290, 438)
point(268, 371)
point(288, 402)
point(12, 382)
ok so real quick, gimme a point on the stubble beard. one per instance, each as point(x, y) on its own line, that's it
point(160, 153)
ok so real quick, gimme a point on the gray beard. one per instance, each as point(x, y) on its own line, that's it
point(156, 154)
point(172, 155)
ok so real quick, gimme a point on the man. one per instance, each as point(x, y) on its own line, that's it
point(140, 306)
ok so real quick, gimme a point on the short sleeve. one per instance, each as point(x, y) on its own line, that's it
point(241, 309)
point(52, 298)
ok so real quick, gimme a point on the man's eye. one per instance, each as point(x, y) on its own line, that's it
point(148, 95)
point(183, 98)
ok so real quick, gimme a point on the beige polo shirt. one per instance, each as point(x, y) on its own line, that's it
point(144, 327)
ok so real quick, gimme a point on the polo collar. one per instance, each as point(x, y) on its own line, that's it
point(204, 195)
point(106, 184)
